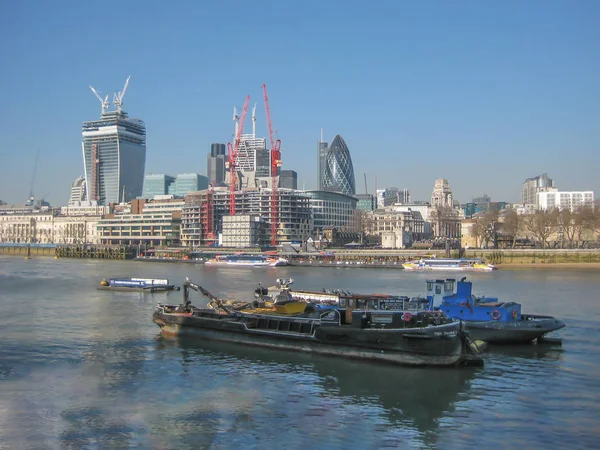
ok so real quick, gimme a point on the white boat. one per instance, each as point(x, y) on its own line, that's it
point(450, 264)
point(247, 259)
point(137, 284)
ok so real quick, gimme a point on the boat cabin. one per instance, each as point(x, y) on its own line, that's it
point(456, 299)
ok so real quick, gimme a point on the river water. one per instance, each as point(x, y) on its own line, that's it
point(83, 368)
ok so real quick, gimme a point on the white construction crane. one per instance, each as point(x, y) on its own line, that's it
point(118, 97)
point(104, 102)
point(236, 119)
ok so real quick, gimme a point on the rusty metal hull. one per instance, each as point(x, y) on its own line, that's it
point(441, 345)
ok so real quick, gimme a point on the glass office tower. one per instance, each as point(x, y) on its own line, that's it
point(339, 172)
point(114, 155)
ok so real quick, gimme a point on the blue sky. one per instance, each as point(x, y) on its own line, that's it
point(483, 93)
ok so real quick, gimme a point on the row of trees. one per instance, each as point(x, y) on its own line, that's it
point(561, 227)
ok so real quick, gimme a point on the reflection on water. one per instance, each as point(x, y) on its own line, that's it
point(405, 395)
point(82, 368)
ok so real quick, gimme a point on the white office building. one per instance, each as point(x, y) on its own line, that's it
point(565, 200)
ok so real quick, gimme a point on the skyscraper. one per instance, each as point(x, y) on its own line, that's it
point(322, 150)
point(532, 186)
point(114, 154)
point(215, 164)
point(339, 172)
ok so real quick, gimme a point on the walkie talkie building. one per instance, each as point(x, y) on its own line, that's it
point(114, 154)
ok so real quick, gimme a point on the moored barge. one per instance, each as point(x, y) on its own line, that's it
point(425, 338)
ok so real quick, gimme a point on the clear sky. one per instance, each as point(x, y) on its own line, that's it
point(483, 93)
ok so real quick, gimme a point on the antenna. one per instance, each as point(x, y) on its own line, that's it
point(118, 97)
point(366, 191)
point(104, 102)
point(31, 200)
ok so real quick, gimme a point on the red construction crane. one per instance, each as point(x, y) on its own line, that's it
point(275, 165)
point(232, 154)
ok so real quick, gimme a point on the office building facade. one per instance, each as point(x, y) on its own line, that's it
point(339, 172)
point(322, 150)
point(215, 164)
point(188, 182)
point(532, 186)
point(157, 184)
point(288, 179)
point(330, 209)
point(562, 200)
point(114, 154)
point(78, 193)
point(366, 202)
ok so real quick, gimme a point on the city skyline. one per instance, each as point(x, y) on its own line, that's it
point(485, 96)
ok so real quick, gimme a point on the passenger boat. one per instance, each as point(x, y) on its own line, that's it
point(454, 264)
point(247, 259)
point(426, 338)
point(489, 319)
point(137, 285)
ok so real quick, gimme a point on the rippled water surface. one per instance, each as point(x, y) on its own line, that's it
point(83, 368)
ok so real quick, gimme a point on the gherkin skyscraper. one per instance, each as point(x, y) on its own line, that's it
point(339, 172)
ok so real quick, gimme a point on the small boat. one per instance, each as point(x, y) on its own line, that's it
point(489, 319)
point(247, 259)
point(137, 285)
point(425, 338)
point(453, 264)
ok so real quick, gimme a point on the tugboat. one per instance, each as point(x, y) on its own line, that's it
point(425, 338)
point(489, 319)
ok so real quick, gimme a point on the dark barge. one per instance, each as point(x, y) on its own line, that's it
point(425, 338)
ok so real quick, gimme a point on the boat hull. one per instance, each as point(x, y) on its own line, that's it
point(443, 346)
point(150, 289)
point(244, 264)
point(516, 332)
point(448, 269)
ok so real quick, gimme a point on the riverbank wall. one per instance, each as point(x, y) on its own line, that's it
point(527, 257)
point(68, 251)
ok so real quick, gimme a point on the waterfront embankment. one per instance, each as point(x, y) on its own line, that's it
point(69, 251)
point(357, 258)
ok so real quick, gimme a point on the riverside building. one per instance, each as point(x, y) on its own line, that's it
point(202, 216)
point(330, 209)
point(565, 200)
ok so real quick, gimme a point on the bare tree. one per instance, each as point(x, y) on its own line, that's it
point(358, 223)
point(476, 233)
point(566, 221)
point(542, 224)
point(490, 222)
point(512, 225)
point(587, 220)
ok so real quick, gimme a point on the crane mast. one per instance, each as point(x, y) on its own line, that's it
point(232, 153)
point(275, 164)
